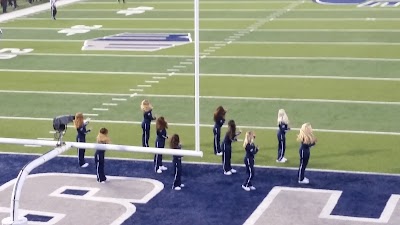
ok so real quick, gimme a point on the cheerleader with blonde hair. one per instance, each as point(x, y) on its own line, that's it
point(80, 125)
point(147, 109)
point(251, 149)
point(307, 139)
point(102, 138)
point(283, 127)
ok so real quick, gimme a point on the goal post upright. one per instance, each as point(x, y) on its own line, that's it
point(196, 75)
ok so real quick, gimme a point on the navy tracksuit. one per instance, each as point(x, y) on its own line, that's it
point(304, 152)
point(147, 118)
point(217, 134)
point(226, 148)
point(160, 143)
point(177, 161)
point(251, 150)
point(282, 140)
point(81, 137)
point(99, 160)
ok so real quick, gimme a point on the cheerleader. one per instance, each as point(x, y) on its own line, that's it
point(80, 126)
point(177, 161)
point(251, 150)
point(53, 8)
point(219, 119)
point(226, 147)
point(161, 126)
point(102, 138)
point(147, 118)
point(283, 127)
point(307, 139)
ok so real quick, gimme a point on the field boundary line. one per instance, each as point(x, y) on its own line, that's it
point(204, 2)
point(217, 30)
point(275, 99)
point(206, 97)
point(209, 75)
point(236, 42)
point(32, 10)
point(218, 164)
point(208, 125)
point(244, 10)
point(189, 58)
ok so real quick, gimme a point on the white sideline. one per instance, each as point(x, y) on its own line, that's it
point(208, 125)
point(34, 9)
point(208, 75)
point(211, 163)
point(205, 97)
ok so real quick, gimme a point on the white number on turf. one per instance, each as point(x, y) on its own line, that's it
point(9, 53)
point(79, 29)
point(137, 10)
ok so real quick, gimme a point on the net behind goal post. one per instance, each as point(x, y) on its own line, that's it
point(16, 219)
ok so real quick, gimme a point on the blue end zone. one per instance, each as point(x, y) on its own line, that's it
point(213, 198)
point(38, 218)
point(74, 192)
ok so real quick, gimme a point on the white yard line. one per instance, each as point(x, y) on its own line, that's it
point(62, 93)
point(215, 97)
point(209, 125)
point(210, 163)
point(218, 30)
point(191, 3)
point(344, 58)
point(247, 10)
point(287, 76)
point(275, 99)
point(140, 19)
point(219, 44)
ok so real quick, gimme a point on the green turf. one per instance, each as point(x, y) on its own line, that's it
point(58, 65)
point(351, 151)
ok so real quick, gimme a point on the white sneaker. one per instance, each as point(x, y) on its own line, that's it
point(85, 165)
point(284, 159)
point(163, 168)
point(182, 185)
point(280, 161)
point(177, 188)
point(219, 153)
point(159, 171)
point(228, 173)
point(304, 181)
point(233, 171)
point(245, 188)
point(252, 188)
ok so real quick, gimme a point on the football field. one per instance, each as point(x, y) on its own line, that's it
point(336, 67)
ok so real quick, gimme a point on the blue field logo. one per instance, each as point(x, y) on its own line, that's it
point(361, 3)
point(137, 42)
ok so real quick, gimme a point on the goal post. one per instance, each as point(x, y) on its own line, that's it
point(15, 218)
point(196, 76)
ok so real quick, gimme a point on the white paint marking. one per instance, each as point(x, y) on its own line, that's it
point(229, 42)
point(215, 47)
point(276, 99)
point(211, 125)
point(209, 50)
point(170, 74)
point(172, 70)
point(33, 146)
point(186, 63)
point(133, 95)
point(179, 66)
point(62, 93)
point(52, 132)
point(144, 85)
point(110, 104)
point(152, 81)
point(90, 114)
point(203, 56)
point(100, 109)
point(220, 44)
point(139, 90)
point(46, 139)
point(118, 99)
point(160, 78)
